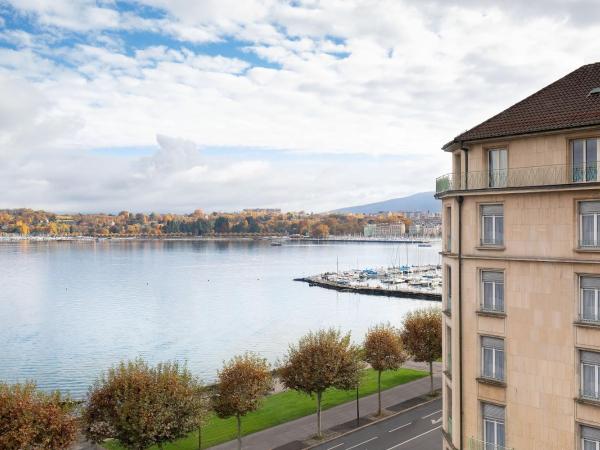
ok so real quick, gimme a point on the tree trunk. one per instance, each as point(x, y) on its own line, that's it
point(379, 393)
point(431, 376)
point(319, 394)
point(239, 432)
point(199, 438)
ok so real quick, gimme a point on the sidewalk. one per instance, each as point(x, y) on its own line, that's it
point(292, 435)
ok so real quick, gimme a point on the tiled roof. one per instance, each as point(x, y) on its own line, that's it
point(564, 104)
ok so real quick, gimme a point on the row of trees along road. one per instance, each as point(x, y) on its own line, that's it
point(142, 405)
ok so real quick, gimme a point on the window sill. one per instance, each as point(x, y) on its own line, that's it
point(587, 401)
point(447, 313)
point(448, 374)
point(584, 324)
point(481, 312)
point(491, 247)
point(491, 382)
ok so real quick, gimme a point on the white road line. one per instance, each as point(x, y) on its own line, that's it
point(368, 440)
point(401, 426)
point(432, 414)
point(416, 437)
point(335, 446)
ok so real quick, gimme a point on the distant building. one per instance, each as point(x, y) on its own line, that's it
point(263, 210)
point(385, 230)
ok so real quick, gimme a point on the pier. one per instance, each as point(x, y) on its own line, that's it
point(418, 282)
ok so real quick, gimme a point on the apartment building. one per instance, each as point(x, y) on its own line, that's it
point(521, 256)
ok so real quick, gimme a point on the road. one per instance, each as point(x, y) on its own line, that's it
point(417, 429)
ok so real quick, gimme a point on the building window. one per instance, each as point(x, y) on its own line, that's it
point(590, 373)
point(449, 410)
point(590, 438)
point(589, 288)
point(584, 160)
point(448, 288)
point(493, 427)
point(492, 290)
point(589, 224)
point(492, 224)
point(492, 358)
point(448, 229)
point(449, 350)
point(497, 167)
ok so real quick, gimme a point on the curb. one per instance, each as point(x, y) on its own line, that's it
point(371, 423)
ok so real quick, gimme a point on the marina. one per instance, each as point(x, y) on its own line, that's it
point(420, 282)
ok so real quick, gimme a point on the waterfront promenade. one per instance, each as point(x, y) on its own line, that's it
point(297, 434)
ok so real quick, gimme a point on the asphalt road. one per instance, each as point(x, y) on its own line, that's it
point(417, 429)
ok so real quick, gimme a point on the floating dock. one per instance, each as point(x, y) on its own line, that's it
point(408, 282)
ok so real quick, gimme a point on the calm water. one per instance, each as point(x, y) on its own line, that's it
point(69, 310)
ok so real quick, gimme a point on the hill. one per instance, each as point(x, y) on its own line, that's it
point(422, 201)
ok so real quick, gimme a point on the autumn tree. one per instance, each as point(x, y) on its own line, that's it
point(242, 384)
point(31, 419)
point(383, 350)
point(319, 361)
point(142, 405)
point(422, 336)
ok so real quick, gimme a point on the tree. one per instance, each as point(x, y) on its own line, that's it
point(422, 336)
point(31, 419)
point(142, 405)
point(383, 351)
point(242, 384)
point(222, 225)
point(320, 231)
point(319, 361)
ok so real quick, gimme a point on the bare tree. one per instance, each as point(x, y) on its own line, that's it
point(242, 384)
point(31, 419)
point(142, 405)
point(319, 361)
point(422, 337)
point(383, 350)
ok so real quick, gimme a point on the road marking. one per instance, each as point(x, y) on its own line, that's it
point(335, 446)
point(416, 437)
point(433, 421)
point(401, 426)
point(432, 414)
point(368, 440)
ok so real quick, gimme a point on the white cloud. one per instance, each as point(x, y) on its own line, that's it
point(348, 77)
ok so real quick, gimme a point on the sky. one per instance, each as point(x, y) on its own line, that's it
point(174, 105)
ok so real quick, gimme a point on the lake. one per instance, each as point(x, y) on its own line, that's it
point(69, 310)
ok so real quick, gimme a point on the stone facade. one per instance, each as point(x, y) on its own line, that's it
point(542, 263)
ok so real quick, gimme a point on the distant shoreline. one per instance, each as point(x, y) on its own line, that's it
point(274, 238)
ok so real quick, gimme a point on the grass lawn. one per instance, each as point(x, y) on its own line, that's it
point(283, 407)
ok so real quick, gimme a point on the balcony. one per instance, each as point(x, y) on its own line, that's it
point(518, 177)
point(476, 444)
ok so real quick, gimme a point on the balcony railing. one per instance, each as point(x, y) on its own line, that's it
point(589, 243)
point(518, 177)
point(589, 394)
point(476, 444)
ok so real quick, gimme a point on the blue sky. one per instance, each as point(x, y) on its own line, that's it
point(173, 105)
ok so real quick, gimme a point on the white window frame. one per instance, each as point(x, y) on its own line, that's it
point(495, 218)
point(495, 423)
point(585, 163)
point(494, 180)
point(596, 301)
point(583, 440)
point(596, 380)
point(494, 351)
point(596, 237)
point(493, 283)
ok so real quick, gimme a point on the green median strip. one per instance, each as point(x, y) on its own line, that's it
point(283, 407)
